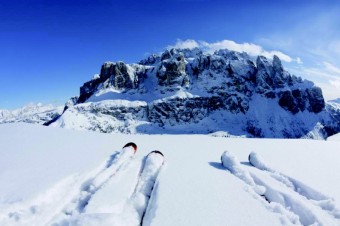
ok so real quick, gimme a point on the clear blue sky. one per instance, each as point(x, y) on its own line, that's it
point(50, 48)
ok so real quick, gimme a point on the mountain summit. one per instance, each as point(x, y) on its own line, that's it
point(190, 91)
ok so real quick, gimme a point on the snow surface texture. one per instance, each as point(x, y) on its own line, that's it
point(232, 164)
point(134, 208)
point(47, 171)
point(31, 113)
point(309, 206)
point(77, 206)
point(186, 91)
point(335, 137)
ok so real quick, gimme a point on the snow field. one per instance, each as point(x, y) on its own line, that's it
point(316, 197)
point(335, 137)
point(308, 213)
point(296, 185)
point(303, 201)
point(43, 169)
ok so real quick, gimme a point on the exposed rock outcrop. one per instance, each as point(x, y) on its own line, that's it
point(188, 88)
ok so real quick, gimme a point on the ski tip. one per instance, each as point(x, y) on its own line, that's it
point(250, 160)
point(157, 152)
point(253, 159)
point(131, 144)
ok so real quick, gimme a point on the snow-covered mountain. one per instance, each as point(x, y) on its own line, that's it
point(333, 107)
point(31, 113)
point(191, 91)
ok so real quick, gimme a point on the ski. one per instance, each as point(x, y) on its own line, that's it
point(294, 184)
point(317, 198)
point(153, 163)
point(131, 144)
point(116, 162)
point(232, 164)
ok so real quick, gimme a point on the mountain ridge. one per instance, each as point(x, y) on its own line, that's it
point(191, 91)
point(31, 113)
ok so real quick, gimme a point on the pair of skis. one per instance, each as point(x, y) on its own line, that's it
point(150, 169)
point(151, 166)
point(299, 203)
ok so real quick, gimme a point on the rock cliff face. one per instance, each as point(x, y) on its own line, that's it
point(190, 91)
point(333, 107)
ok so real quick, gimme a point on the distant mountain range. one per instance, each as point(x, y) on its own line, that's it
point(31, 113)
point(189, 91)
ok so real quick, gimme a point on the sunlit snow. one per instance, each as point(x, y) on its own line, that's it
point(53, 176)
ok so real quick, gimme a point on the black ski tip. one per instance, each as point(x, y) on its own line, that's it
point(157, 152)
point(131, 144)
point(250, 160)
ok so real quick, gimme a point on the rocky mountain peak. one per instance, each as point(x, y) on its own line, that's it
point(190, 86)
point(223, 73)
point(277, 65)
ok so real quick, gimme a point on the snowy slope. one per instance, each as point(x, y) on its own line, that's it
point(44, 171)
point(337, 101)
point(31, 113)
point(335, 137)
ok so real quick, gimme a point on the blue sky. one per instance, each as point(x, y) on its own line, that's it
point(50, 48)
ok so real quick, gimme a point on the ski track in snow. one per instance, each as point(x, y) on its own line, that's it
point(137, 209)
point(117, 162)
point(303, 204)
point(323, 201)
point(133, 212)
point(19, 215)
